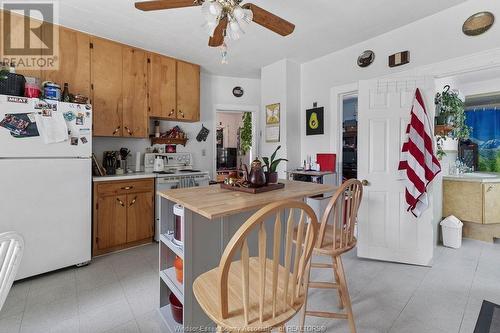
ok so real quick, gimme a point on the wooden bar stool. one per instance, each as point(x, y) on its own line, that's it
point(258, 294)
point(334, 239)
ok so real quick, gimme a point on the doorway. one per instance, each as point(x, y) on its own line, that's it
point(349, 140)
point(233, 143)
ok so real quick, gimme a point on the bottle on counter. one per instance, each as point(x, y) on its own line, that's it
point(12, 68)
point(157, 129)
point(65, 93)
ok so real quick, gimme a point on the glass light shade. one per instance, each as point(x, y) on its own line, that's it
point(234, 29)
point(241, 14)
point(223, 50)
point(211, 10)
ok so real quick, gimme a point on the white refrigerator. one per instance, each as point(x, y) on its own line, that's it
point(45, 181)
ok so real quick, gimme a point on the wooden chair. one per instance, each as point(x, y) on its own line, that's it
point(334, 239)
point(11, 252)
point(258, 294)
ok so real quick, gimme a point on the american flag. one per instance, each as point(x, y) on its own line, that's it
point(418, 159)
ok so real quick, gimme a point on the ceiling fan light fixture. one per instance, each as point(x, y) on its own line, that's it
point(211, 10)
point(223, 50)
point(242, 15)
point(234, 29)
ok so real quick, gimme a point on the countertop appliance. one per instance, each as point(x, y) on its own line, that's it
point(178, 172)
point(45, 191)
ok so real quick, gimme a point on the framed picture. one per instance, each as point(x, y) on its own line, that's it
point(315, 121)
point(273, 114)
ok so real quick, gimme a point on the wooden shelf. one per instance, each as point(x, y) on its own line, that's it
point(178, 250)
point(168, 141)
point(443, 129)
point(166, 315)
point(168, 276)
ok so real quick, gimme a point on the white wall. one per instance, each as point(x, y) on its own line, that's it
point(214, 90)
point(430, 40)
point(280, 83)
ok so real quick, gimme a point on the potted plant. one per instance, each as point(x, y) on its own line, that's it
point(271, 165)
point(246, 133)
point(450, 117)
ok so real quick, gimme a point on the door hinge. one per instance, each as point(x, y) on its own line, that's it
point(149, 61)
point(91, 45)
point(92, 86)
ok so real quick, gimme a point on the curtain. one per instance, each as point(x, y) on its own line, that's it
point(485, 123)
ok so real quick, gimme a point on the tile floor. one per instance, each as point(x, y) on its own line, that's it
point(118, 293)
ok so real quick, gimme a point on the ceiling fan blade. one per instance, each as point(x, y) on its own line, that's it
point(218, 38)
point(165, 4)
point(269, 20)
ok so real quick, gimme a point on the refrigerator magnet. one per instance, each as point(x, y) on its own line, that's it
point(79, 119)
point(84, 140)
point(74, 141)
point(69, 116)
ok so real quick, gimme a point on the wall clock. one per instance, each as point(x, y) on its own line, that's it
point(238, 91)
point(366, 58)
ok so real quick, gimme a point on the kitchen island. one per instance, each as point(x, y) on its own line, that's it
point(211, 217)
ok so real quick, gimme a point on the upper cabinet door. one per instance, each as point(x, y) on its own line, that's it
point(135, 97)
point(188, 91)
point(73, 61)
point(162, 84)
point(106, 77)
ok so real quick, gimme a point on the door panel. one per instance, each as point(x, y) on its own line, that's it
point(111, 221)
point(140, 216)
point(386, 230)
point(491, 203)
point(188, 91)
point(73, 61)
point(106, 63)
point(135, 97)
point(162, 87)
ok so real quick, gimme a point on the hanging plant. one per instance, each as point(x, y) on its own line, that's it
point(450, 111)
point(246, 133)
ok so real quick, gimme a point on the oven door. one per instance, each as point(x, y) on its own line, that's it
point(162, 185)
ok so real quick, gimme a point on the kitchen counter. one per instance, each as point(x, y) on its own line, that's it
point(213, 201)
point(477, 177)
point(127, 176)
point(211, 216)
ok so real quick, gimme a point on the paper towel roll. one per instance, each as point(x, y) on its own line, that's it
point(137, 161)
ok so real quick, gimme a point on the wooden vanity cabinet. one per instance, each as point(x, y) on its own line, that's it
point(491, 197)
point(123, 214)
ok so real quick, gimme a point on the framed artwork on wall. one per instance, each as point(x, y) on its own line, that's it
point(273, 118)
point(315, 121)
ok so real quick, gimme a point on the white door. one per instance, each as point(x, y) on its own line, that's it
point(386, 231)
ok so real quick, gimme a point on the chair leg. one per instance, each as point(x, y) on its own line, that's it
point(304, 307)
point(345, 294)
point(337, 280)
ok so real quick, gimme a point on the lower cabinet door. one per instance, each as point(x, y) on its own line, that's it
point(491, 203)
point(140, 216)
point(112, 221)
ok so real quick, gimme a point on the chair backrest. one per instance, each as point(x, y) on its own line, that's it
point(11, 252)
point(342, 210)
point(291, 273)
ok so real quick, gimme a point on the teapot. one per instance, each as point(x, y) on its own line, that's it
point(256, 176)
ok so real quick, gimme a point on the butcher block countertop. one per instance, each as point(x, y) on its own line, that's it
point(213, 202)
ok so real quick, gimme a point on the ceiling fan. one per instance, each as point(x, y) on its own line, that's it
point(225, 18)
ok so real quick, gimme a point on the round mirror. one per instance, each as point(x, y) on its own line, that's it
point(478, 24)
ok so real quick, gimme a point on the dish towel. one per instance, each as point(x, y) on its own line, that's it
point(418, 160)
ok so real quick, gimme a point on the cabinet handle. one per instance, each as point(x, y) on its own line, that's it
point(133, 202)
point(365, 182)
point(129, 131)
point(182, 113)
point(171, 112)
point(120, 202)
point(116, 130)
point(127, 187)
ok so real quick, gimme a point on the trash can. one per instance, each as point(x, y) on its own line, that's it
point(451, 228)
point(318, 204)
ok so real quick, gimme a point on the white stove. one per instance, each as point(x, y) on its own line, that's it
point(178, 172)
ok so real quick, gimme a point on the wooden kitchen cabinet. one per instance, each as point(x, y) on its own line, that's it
point(135, 93)
point(188, 91)
point(123, 214)
point(73, 61)
point(491, 197)
point(162, 83)
point(140, 214)
point(107, 78)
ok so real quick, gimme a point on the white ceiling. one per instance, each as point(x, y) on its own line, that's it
point(322, 27)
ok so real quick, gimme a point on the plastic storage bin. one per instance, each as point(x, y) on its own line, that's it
point(451, 228)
